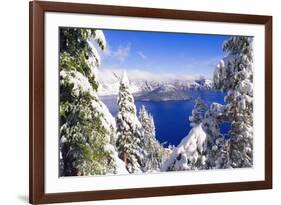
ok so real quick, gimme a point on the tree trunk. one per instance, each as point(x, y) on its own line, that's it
point(125, 158)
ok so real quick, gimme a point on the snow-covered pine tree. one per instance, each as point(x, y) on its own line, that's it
point(154, 151)
point(130, 142)
point(198, 112)
point(217, 155)
point(86, 126)
point(234, 74)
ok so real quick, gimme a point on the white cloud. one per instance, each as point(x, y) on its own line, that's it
point(121, 53)
point(144, 57)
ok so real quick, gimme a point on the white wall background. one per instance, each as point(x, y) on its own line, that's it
point(14, 100)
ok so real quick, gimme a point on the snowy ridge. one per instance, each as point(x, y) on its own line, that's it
point(188, 152)
point(109, 85)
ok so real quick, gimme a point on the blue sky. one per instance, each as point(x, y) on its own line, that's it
point(161, 53)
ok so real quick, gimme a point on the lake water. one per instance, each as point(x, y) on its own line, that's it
point(171, 117)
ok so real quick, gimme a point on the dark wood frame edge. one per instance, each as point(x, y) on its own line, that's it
point(36, 101)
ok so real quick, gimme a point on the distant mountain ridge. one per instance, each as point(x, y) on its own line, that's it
point(145, 86)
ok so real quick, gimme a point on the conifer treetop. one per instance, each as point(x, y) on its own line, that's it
point(124, 79)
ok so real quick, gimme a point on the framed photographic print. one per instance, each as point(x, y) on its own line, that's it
point(139, 102)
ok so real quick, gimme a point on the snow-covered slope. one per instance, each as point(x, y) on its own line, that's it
point(188, 152)
point(109, 85)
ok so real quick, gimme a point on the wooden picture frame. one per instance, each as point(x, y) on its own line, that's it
point(37, 110)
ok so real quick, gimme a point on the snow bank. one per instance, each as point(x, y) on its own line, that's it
point(187, 152)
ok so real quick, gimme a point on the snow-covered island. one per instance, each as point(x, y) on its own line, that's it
point(164, 93)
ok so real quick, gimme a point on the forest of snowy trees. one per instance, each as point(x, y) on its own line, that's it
point(93, 142)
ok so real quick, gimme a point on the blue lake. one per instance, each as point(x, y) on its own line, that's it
point(171, 117)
